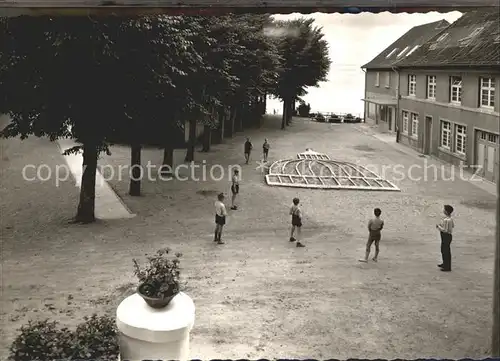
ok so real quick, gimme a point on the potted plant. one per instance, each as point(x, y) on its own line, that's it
point(159, 278)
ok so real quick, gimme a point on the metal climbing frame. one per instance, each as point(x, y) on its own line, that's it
point(316, 170)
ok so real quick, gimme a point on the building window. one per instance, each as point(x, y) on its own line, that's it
point(388, 79)
point(412, 85)
point(405, 122)
point(456, 89)
point(460, 138)
point(487, 94)
point(377, 79)
point(445, 135)
point(431, 87)
point(414, 125)
point(493, 138)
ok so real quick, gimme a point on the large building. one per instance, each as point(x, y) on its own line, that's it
point(382, 80)
point(449, 101)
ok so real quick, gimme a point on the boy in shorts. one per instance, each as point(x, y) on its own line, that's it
point(375, 226)
point(296, 214)
point(235, 189)
point(220, 218)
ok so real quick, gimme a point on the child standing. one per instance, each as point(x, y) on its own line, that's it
point(296, 214)
point(235, 189)
point(446, 229)
point(220, 218)
point(248, 150)
point(265, 149)
point(375, 226)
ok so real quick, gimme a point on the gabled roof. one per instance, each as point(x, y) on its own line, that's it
point(406, 44)
point(472, 40)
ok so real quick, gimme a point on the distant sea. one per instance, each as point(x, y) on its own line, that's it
point(341, 94)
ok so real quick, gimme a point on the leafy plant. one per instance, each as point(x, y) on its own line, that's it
point(96, 338)
point(161, 275)
point(45, 340)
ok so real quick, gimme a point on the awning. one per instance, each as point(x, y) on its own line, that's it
point(388, 102)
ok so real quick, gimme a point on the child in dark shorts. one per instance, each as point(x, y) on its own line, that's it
point(220, 218)
point(296, 214)
point(375, 226)
point(235, 188)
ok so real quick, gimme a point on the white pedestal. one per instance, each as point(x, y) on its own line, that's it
point(155, 334)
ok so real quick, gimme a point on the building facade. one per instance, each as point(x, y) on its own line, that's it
point(382, 80)
point(449, 100)
point(381, 89)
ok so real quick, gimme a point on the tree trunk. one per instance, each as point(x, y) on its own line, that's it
point(242, 115)
point(191, 142)
point(207, 138)
point(86, 207)
point(284, 116)
point(495, 341)
point(135, 166)
point(229, 131)
point(167, 164)
point(289, 113)
point(218, 134)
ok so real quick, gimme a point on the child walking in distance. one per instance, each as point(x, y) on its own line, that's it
point(375, 226)
point(296, 214)
point(220, 218)
point(265, 149)
point(446, 229)
point(248, 150)
point(235, 189)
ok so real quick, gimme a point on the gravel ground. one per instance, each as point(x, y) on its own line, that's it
point(258, 296)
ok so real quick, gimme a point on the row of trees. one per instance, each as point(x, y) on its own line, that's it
point(96, 80)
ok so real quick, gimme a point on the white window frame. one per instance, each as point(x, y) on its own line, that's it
point(431, 85)
point(445, 134)
point(487, 85)
point(412, 85)
point(414, 125)
point(462, 135)
point(377, 79)
point(388, 79)
point(456, 85)
point(404, 117)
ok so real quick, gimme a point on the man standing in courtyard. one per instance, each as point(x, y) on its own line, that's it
point(248, 150)
point(446, 229)
point(265, 149)
point(220, 218)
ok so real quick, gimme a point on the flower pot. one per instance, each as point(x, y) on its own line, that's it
point(154, 302)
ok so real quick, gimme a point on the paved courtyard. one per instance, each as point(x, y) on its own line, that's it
point(258, 296)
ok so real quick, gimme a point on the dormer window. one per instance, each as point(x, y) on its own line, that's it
point(403, 51)
point(391, 53)
point(440, 39)
point(466, 40)
point(412, 50)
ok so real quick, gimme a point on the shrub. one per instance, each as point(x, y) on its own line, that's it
point(95, 338)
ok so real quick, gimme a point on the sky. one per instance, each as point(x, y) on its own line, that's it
point(354, 40)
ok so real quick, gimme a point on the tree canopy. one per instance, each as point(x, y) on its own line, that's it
point(92, 79)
